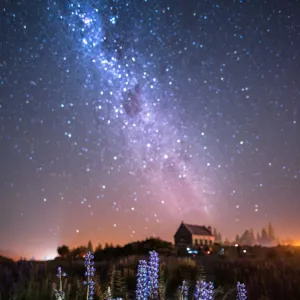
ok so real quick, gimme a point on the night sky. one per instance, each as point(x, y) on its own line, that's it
point(119, 119)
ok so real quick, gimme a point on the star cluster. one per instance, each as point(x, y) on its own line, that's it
point(122, 118)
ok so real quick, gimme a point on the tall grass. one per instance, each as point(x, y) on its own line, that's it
point(273, 279)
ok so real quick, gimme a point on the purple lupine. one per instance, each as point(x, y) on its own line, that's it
point(204, 290)
point(153, 270)
point(60, 273)
point(210, 291)
point(241, 291)
point(142, 291)
point(59, 294)
point(184, 290)
point(90, 272)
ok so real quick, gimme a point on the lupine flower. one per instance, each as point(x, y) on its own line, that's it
point(184, 291)
point(204, 290)
point(153, 270)
point(60, 273)
point(142, 291)
point(210, 291)
point(59, 294)
point(241, 291)
point(90, 272)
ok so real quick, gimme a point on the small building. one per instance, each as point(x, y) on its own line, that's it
point(193, 236)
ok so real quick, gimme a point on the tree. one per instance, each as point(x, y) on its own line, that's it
point(264, 238)
point(227, 242)
point(99, 248)
point(215, 234)
point(83, 250)
point(271, 232)
point(237, 239)
point(219, 238)
point(90, 246)
point(247, 238)
point(252, 238)
point(75, 253)
point(63, 251)
point(258, 238)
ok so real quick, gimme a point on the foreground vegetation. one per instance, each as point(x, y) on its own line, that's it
point(268, 274)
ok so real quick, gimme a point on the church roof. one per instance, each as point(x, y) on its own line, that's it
point(198, 230)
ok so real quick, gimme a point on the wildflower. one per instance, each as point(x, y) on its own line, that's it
point(142, 290)
point(184, 290)
point(153, 270)
point(210, 291)
point(59, 294)
point(241, 291)
point(90, 272)
point(60, 273)
point(204, 290)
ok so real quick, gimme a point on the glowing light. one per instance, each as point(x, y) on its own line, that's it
point(50, 256)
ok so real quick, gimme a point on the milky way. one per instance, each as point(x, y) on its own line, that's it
point(130, 116)
point(136, 109)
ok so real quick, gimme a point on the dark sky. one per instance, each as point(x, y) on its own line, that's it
point(120, 119)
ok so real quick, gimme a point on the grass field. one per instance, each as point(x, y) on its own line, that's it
point(272, 274)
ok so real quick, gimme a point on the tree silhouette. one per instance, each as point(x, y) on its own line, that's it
point(258, 238)
point(271, 232)
point(219, 238)
point(63, 250)
point(77, 252)
point(215, 233)
point(90, 246)
point(98, 248)
point(264, 237)
point(247, 238)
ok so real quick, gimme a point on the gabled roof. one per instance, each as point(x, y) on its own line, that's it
point(197, 230)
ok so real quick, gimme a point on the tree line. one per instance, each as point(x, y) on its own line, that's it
point(110, 252)
point(266, 237)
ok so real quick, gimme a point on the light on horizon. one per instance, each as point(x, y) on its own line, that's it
point(50, 256)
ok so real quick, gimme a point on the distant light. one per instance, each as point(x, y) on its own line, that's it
point(50, 256)
point(188, 249)
point(77, 230)
point(236, 245)
point(245, 251)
